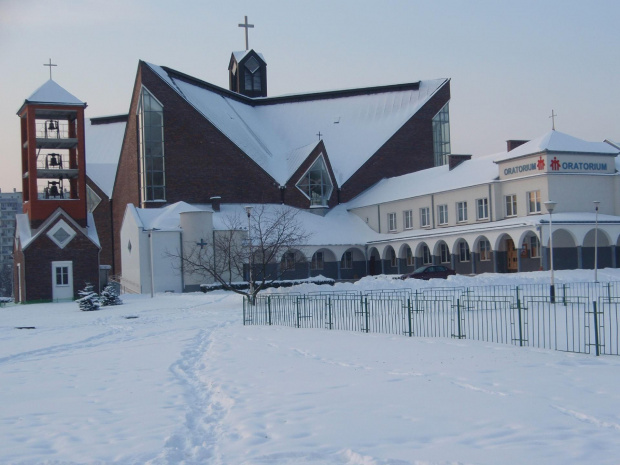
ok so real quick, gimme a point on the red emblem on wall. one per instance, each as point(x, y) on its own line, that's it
point(541, 164)
point(555, 164)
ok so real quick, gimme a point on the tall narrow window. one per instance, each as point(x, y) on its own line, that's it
point(316, 184)
point(392, 222)
point(410, 259)
point(151, 133)
point(252, 75)
point(393, 258)
point(533, 202)
point(408, 219)
point(444, 253)
point(425, 217)
point(426, 255)
point(443, 214)
point(461, 211)
point(484, 249)
point(463, 251)
point(347, 260)
point(534, 247)
point(441, 136)
point(483, 209)
point(317, 261)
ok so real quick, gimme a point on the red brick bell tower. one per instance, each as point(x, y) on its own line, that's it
point(56, 249)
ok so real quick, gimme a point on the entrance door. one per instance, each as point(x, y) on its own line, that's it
point(62, 280)
point(511, 257)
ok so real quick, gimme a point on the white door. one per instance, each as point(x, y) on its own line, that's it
point(62, 280)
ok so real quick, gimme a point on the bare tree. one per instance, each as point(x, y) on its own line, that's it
point(272, 232)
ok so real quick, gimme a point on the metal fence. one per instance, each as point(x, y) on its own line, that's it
point(582, 318)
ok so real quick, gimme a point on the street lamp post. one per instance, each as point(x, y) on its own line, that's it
point(550, 206)
point(596, 204)
point(248, 210)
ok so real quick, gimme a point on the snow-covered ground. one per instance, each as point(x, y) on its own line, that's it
point(184, 382)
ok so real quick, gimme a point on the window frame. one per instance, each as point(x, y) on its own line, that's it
point(316, 263)
point(536, 202)
point(510, 204)
point(444, 253)
point(534, 247)
point(306, 183)
point(464, 252)
point(346, 261)
point(484, 253)
point(482, 204)
point(461, 212)
point(408, 219)
point(392, 222)
point(442, 214)
point(427, 258)
point(425, 217)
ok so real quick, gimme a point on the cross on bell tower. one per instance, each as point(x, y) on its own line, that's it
point(246, 26)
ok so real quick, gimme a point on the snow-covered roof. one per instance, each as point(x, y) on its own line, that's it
point(271, 131)
point(241, 55)
point(103, 149)
point(26, 235)
point(555, 141)
point(472, 172)
point(166, 218)
point(51, 93)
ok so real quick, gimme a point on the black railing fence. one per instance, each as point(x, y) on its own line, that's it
point(582, 318)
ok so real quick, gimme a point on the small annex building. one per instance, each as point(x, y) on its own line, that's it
point(56, 250)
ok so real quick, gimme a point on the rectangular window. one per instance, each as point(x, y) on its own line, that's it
point(533, 202)
point(485, 251)
point(151, 142)
point(408, 219)
point(426, 255)
point(425, 217)
point(392, 222)
point(317, 261)
point(347, 261)
point(444, 253)
point(511, 205)
point(461, 211)
point(441, 136)
point(534, 247)
point(463, 251)
point(393, 259)
point(443, 214)
point(482, 209)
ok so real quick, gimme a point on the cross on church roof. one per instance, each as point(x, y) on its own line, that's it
point(553, 115)
point(319, 134)
point(50, 65)
point(246, 26)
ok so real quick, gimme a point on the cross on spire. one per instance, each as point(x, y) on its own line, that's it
point(50, 66)
point(553, 115)
point(320, 135)
point(246, 26)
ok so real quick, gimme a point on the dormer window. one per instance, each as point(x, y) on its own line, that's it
point(316, 184)
point(252, 75)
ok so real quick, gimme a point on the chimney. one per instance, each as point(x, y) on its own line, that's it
point(513, 144)
point(455, 160)
point(215, 203)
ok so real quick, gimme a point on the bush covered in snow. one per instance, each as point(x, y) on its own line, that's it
point(109, 295)
point(89, 300)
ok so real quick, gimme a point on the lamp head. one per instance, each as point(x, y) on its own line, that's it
point(550, 205)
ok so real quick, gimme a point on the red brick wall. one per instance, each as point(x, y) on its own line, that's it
point(103, 223)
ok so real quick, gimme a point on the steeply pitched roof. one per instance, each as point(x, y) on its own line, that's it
point(555, 141)
point(353, 124)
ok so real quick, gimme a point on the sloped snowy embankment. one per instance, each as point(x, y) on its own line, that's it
point(186, 383)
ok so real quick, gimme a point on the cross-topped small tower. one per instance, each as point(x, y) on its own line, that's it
point(50, 66)
point(246, 26)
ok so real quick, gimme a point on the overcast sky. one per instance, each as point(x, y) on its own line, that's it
point(510, 62)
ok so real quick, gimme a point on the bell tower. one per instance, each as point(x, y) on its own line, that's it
point(53, 154)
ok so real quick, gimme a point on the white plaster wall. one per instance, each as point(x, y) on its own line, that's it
point(131, 260)
point(166, 263)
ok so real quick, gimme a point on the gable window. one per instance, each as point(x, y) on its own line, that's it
point(317, 261)
point(347, 260)
point(425, 217)
point(444, 253)
point(316, 184)
point(151, 143)
point(392, 222)
point(461, 212)
point(533, 202)
point(511, 205)
point(443, 214)
point(482, 209)
point(484, 250)
point(426, 255)
point(252, 75)
point(408, 219)
point(441, 136)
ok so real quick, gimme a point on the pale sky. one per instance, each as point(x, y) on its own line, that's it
point(510, 63)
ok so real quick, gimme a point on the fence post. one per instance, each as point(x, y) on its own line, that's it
point(329, 308)
point(243, 310)
point(520, 322)
point(366, 311)
point(269, 309)
point(596, 346)
point(609, 292)
point(564, 294)
point(458, 318)
point(409, 315)
point(297, 306)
